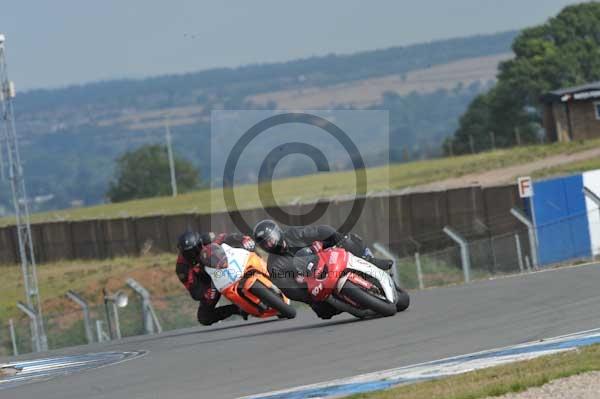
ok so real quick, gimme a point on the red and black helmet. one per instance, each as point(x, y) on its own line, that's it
point(214, 256)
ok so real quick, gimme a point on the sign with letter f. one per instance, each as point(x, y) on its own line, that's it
point(525, 187)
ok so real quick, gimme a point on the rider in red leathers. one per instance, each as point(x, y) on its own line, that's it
point(192, 275)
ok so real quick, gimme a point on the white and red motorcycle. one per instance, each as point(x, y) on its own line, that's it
point(352, 284)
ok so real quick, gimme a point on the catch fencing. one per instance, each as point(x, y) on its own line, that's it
point(66, 328)
point(496, 255)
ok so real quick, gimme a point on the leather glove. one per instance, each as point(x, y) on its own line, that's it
point(316, 247)
point(248, 243)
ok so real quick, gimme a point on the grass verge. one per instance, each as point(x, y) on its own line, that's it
point(322, 185)
point(87, 278)
point(500, 380)
point(567, 169)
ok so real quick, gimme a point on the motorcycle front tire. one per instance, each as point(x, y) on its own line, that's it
point(358, 295)
point(273, 300)
point(403, 301)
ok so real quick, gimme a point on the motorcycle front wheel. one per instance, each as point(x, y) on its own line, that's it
point(269, 298)
point(403, 301)
point(361, 297)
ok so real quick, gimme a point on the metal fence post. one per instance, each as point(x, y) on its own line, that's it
point(519, 252)
point(108, 317)
point(116, 301)
point(86, 314)
point(13, 337)
point(34, 323)
point(531, 230)
point(387, 253)
point(99, 331)
point(102, 336)
point(117, 321)
point(464, 251)
point(151, 323)
point(419, 270)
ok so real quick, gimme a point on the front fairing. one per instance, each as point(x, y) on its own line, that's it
point(362, 266)
point(324, 271)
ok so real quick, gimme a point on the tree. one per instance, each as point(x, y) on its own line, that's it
point(563, 52)
point(144, 173)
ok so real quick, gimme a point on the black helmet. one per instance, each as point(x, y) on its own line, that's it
point(207, 238)
point(189, 244)
point(213, 255)
point(269, 236)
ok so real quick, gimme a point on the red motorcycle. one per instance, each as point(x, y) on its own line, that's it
point(351, 284)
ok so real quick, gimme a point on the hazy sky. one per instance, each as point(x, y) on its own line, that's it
point(59, 42)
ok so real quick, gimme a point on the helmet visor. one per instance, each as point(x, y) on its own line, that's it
point(191, 255)
point(214, 256)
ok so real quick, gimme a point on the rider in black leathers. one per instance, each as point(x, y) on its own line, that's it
point(282, 246)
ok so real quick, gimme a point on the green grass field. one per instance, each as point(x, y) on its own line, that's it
point(324, 185)
point(499, 380)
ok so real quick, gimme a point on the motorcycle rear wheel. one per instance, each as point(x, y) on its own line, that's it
point(368, 301)
point(273, 300)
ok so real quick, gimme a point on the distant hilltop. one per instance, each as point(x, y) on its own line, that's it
point(71, 136)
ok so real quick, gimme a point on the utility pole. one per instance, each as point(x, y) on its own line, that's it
point(20, 202)
point(171, 160)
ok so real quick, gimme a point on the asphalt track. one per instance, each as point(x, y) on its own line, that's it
point(242, 358)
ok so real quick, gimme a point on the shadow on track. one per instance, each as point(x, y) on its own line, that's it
point(238, 325)
point(272, 332)
point(209, 330)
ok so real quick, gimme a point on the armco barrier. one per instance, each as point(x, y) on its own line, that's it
point(406, 223)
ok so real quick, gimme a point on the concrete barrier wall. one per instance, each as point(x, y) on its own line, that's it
point(8, 245)
point(407, 223)
point(56, 242)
